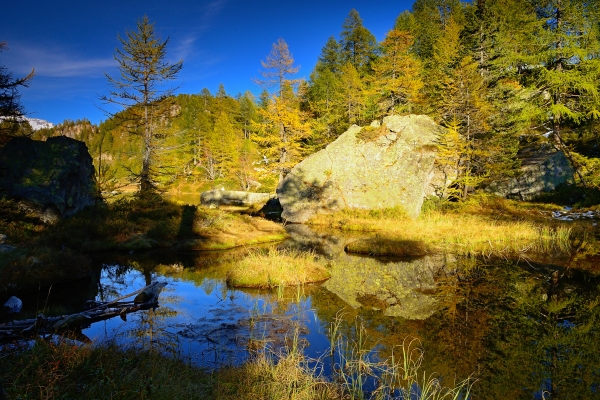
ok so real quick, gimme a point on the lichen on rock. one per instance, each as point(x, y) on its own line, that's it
point(388, 167)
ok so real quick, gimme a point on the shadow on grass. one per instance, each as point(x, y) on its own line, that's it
point(379, 246)
point(186, 226)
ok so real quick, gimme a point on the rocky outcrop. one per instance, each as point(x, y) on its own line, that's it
point(543, 168)
point(52, 179)
point(250, 200)
point(366, 168)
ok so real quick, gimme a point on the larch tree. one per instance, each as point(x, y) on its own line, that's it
point(278, 68)
point(11, 109)
point(352, 95)
point(281, 131)
point(140, 89)
point(396, 80)
point(282, 125)
point(565, 68)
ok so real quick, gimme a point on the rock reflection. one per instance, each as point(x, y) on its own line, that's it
point(398, 288)
point(523, 330)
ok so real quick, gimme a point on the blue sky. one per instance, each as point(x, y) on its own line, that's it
point(71, 43)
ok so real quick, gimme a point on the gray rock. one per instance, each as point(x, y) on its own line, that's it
point(52, 179)
point(216, 198)
point(392, 170)
point(543, 168)
point(2, 238)
point(13, 305)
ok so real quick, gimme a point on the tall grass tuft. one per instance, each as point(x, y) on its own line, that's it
point(276, 268)
point(398, 377)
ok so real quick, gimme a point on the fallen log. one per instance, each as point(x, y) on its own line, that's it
point(146, 298)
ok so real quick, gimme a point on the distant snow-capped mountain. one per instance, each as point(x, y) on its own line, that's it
point(36, 123)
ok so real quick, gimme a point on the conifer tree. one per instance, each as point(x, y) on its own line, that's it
point(323, 94)
point(140, 89)
point(282, 125)
point(565, 68)
point(278, 68)
point(247, 112)
point(358, 45)
point(430, 20)
point(353, 94)
point(330, 57)
point(225, 146)
point(323, 100)
point(281, 132)
point(396, 80)
point(11, 109)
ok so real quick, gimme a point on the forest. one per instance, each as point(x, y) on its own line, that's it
point(498, 74)
point(479, 297)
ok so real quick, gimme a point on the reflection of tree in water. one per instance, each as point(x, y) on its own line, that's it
point(548, 345)
point(216, 330)
point(149, 329)
point(511, 327)
point(113, 280)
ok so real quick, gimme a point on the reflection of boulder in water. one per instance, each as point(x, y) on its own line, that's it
point(400, 289)
point(329, 243)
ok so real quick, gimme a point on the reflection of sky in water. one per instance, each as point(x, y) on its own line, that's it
point(209, 323)
point(457, 310)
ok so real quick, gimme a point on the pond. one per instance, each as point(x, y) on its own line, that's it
point(521, 329)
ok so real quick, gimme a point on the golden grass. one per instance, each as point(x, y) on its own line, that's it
point(61, 370)
point(263, 378)
point(219, 230)
point(489, 227)
point(276, 268)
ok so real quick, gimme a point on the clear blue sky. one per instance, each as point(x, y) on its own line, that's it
point(71, 43)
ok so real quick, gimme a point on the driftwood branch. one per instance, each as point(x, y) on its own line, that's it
point(145, 298)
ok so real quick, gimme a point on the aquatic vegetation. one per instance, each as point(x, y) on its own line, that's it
point(61, 369)
point(276, 268)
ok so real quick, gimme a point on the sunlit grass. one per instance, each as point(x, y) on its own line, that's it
point(276, 268)
point(62, 369)
point(488, 227)
point(149, 221)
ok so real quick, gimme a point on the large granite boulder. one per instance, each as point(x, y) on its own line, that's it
point(366, 168)
point(543, 168)
point(53, 178)
point(235, 198)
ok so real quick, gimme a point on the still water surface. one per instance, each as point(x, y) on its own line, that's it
point(523, 330)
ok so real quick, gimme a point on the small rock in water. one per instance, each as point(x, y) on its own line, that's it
point(13, 305)
point(2, 238)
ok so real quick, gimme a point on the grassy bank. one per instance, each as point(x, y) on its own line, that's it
point(50, 370)
point(39, 255)
point(482, 226)
point(150, 221)
point(276, 268)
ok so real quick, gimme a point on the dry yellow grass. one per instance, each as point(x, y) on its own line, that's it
point(494, 227)
point(276, 268)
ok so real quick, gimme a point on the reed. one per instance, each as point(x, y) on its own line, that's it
point(276, 268)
